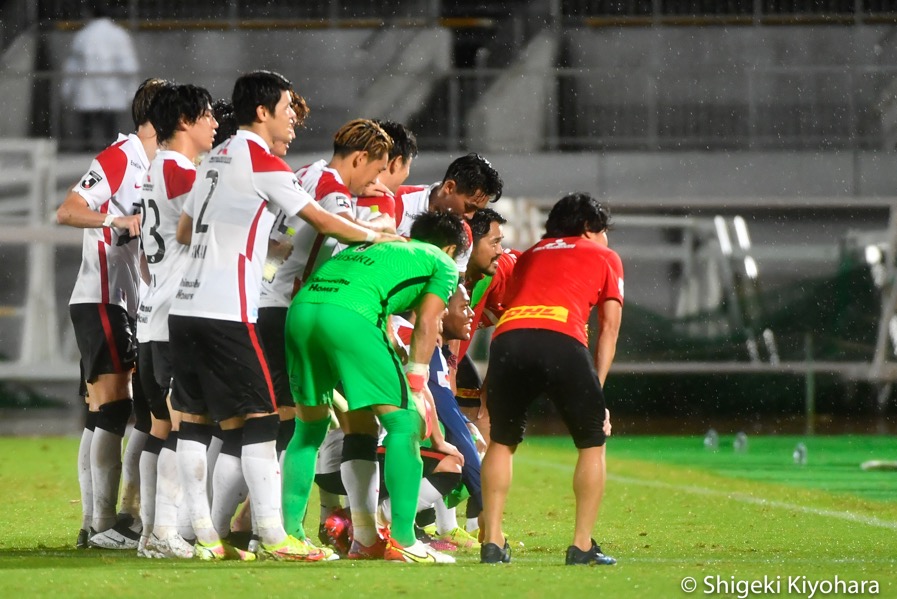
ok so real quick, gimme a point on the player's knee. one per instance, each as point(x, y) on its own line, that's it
point(449, 463)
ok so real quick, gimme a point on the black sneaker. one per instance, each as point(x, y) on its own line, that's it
point(83, 537)
point(592, 557)
point(490, 553)
point(239, 539)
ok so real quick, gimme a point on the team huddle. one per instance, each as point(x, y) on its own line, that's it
point(273, 330)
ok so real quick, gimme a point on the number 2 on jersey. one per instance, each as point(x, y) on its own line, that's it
point(201, 227)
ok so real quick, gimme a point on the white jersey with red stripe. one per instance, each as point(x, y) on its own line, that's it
point(109, 271)
point(310, 248)
point(168, 182)
point(240, 186)
point(412, 200)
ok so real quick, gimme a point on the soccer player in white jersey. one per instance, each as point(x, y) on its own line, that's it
point(185, 128)
point(103, 307)
point(469, 184)
point(218, 359)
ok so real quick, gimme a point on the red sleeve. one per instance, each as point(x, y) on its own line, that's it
point(178, 181)
point(328, 184)
point(612, 289)
point(114, 162)
point(264, 162)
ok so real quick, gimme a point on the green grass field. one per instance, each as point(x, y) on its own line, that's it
point(672, 510)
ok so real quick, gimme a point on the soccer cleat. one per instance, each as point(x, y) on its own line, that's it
point(460, 538)
point(427, 538)
point(119, 537)
point(173, 545)
point(490, 553)
point(82, 541)
point(375, 551)
point(418, 553)
point(221, 551)
point(337, 531)
point(592, 557)
point(329, 554)
point(292, 549)
point(143, 551)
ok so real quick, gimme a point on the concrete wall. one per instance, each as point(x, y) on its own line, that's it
point(330, 68)
point(16, 71)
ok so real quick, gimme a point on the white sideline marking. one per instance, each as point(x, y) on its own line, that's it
point(740, 497)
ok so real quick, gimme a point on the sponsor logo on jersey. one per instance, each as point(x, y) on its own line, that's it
point(90, 180)
point(558, 313)
point(557, 244)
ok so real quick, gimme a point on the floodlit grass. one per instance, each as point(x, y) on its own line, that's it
point(672, 510)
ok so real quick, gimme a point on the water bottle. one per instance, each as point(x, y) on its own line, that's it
point(740, 444)
point(282, 235)
point(800, 454)
point(711, 440)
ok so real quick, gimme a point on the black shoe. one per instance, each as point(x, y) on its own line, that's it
point(490, 553)
point(592, 557)
point(83, 536)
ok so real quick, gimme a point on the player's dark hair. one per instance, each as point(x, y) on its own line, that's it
point(227, 122)
point(473, 173)
point(440, 228)
point(482, 221)
point(175, 102)
point(575, 214)
point(143, 98)
point(404, 142)
point(362, 135)
point(258, 88)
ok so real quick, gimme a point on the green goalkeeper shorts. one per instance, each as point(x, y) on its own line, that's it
point(328, 344)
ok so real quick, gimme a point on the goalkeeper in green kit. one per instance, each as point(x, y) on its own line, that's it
point(336, 332)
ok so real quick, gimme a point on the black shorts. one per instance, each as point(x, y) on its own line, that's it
point(154, 368)
point(271, 324)
point(220, 368)
point(105, 337)
point(468, 383)
point(524, 364)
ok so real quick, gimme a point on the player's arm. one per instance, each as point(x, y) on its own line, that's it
point(184, 234)
point(76, 212)
point(610, 314)
point(340, 228)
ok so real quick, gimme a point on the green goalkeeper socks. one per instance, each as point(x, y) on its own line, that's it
point(299, 472)
point(402, 470)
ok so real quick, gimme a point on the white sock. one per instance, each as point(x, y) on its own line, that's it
point(168, 494)
point(386, 510)
point(428, 495)
point(262, 472)
point(362, 481)
point(472, 524)
point(185, 525)
point(193, 472)
point(148, 466)
point(212, 459)
point(130, 473)
point(105, 472)
point(445, 518)
point(84, 479)
point(230, 491)
point(329, 502)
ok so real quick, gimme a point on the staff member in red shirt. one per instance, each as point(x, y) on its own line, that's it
point(540, 346)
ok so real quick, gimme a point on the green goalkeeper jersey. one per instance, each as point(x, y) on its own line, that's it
point(382, 279)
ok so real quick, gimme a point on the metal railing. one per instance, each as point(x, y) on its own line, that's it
point(753, 9)
point(795, 108)
point(331, 11)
